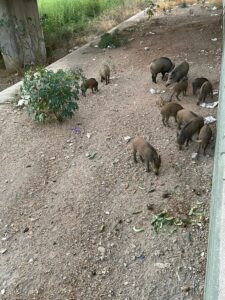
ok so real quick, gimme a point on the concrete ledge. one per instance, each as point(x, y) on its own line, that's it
point(215, 273)
point(71, 59)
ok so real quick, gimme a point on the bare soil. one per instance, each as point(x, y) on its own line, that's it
point(67, 221)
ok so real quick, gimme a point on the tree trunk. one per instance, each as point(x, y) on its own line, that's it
point(21, 36)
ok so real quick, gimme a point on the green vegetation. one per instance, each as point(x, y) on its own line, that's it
point(51, 95)
point(114, 40)
point(63, 21)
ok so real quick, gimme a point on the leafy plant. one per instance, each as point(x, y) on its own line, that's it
point(165, 218)
point(113, 40)
point(51, 94)
point(152, 6)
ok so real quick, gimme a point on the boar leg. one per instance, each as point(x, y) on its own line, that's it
point(177, 96)
point(163, 120)
point(147, 166)
point(154, 78)
point(172, 96)
point(134, 155)
point(187, 142)
point(141, 158)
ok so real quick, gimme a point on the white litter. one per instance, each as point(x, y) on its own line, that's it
point(209, 119)
point(153, 91)
point(127, 138)
point(146, 48)
point(194, 155)
point(209, 105)
point(215, 92)
point(88, 135)
point(214, 40)
point(151, 32)
point(214, 8)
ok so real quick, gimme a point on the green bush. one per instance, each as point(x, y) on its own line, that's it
point(114, 40)
point(51, 95)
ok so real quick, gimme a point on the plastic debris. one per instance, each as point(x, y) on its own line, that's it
point(209, 105)
point(91, 155)
point(138, 229)
point(214, 8)
point(194, 155)
point(2, 291)
point(127, 138)
point(140, 256)
point(214, 39)
point(88, 135)
point(153, 91)
point(146, 48)
point(76, 129)
point(215, 92)
point(209, 119)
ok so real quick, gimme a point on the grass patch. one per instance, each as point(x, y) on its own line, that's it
point(66, 21)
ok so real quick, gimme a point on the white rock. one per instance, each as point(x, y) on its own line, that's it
point(214, 39)
point(101, 250)
point(2, 251)
point(88, 135)
point(2, 291)
point(146, 48)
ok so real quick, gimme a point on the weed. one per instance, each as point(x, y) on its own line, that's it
point(114, 40)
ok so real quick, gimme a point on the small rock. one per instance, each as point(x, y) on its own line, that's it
point(185, 288)
point(101, 250)
point(26, 230)
point(52, 158)
point(146, 48)
point(2, 251)
point(166, 194)
point(2, 291)
point(150, 206)
point(88, 135)
point(28, 166)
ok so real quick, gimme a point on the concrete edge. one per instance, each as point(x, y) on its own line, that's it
point(9, 93)
point(215, 269)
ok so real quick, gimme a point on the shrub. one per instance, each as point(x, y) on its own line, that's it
point(51, 94)
point(114, 40)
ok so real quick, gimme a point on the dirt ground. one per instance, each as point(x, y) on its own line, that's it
point(67, 221)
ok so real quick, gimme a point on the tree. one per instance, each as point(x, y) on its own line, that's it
point(21, 36)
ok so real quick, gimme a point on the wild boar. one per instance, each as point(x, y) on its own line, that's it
point(161, 65)
point(189, 130)
point(170, 110)
point(178, 73)
point(147, 154)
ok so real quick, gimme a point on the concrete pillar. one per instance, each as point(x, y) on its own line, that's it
point(21, 36)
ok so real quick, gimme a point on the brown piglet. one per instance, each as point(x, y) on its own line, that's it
point(147, 154)
point(170, 110)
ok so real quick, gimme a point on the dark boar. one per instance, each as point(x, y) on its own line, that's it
point(105, 73)
point(189, 130)
point(147, 154)
point(178, 73)
point(197, 83)
point(179, 87)
point(204, 138)
point(161, 65)
point(205, 90)
point(185, 116)
point(170, 110)
point(90, 83)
